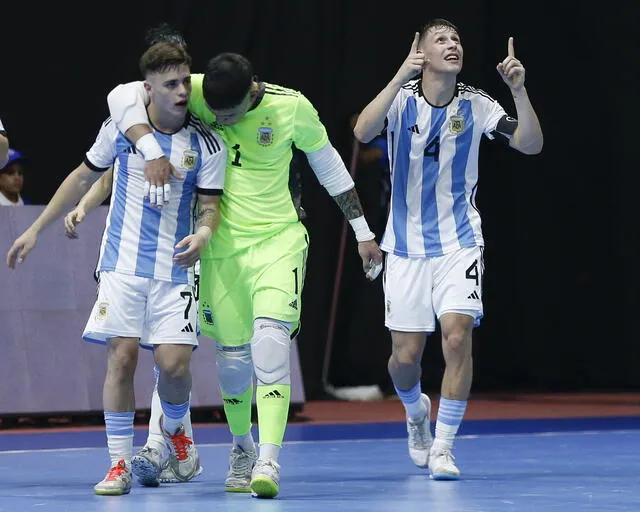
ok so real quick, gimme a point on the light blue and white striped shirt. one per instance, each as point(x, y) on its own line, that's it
point(433, 157)
point(139, 239)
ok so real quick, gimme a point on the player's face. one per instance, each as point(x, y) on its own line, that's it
point(443, 49)
point(229, 116)
point(170, 89)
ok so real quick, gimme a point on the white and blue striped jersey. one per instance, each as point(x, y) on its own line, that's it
point(139, 239)
point(433, 157)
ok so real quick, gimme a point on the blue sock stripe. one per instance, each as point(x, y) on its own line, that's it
point(410, 396)
point(119, 423)
point(451, 412)
point(174, 411)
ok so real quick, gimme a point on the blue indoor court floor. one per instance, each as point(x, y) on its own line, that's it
point(508, 465)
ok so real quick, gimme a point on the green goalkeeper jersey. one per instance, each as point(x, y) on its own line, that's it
point(257, 202)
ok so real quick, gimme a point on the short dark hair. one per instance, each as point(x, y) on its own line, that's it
point(164, 33)
point(163, 56)
point(227, 80)
point(437, 23)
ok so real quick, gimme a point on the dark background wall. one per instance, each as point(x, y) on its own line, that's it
point(561, 281)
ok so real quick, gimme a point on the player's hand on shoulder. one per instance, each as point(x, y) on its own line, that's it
point(21, 247)
point(157, 185)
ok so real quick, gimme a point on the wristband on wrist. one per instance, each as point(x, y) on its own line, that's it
point(361, 229)
point(149, 147)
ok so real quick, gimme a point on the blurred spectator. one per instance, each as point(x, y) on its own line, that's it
point(12, 180)
point(4, 146)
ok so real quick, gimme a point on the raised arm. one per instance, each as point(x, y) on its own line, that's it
point(75, 185)
point(96, 195)
point(527, 137)
point(371, 120)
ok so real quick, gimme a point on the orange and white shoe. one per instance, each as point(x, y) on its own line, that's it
point(117, 481)
point(185, 461)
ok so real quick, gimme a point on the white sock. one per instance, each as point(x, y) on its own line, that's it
point(269, 452)
point(245, 442)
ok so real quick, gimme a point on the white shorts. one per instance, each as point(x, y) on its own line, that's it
point(156, 312)
point(418, 291)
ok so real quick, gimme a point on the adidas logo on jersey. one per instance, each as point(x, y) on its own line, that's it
point(273, 394)
point(473, 295)
point(131, 149)
point(294, 304)
point(414, 129)
point(187, 328)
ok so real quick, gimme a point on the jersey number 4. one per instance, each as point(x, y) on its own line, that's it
point(432, 150)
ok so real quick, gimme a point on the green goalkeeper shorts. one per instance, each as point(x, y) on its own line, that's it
point(264, 280)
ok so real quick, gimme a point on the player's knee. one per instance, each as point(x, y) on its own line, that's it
point(175, 369)
point(122, 359)
point(270, 348)
point(235, 369)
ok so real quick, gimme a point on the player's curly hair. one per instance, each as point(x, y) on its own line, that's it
point(164, 33)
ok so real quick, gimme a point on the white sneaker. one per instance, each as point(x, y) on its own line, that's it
point(241, 464)
point(147, 465)
point(442, 465)
point(168, 476)
point(420, 438)
point(184, 459)
point(117, 481)
point(265, 478)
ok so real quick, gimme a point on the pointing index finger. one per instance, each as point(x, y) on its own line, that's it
point(510, 50)
point(414, 45)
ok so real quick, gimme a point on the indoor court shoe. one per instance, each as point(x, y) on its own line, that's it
point(168, 476)
point(185, 461)
point(442, 465)
point(420, 438)
point(117, 481)
point(265, 478)
point(147, 465)
point(241, 464)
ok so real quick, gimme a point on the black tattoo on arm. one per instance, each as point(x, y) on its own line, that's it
point(349, 203)
point(207, 217)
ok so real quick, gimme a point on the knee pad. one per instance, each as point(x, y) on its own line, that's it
point(235, 369)
point(270, 348)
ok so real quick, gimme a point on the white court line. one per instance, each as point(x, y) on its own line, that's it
point(340, 441)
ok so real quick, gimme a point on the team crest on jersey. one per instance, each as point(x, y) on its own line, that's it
point(101, 313)
point(456, 124)
point(265, 136)
point(189, 159)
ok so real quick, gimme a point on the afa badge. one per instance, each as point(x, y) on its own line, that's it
point(265, 136)
point(189, 159)
point(101, 313)
point(456, 124)
point(207, 314)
